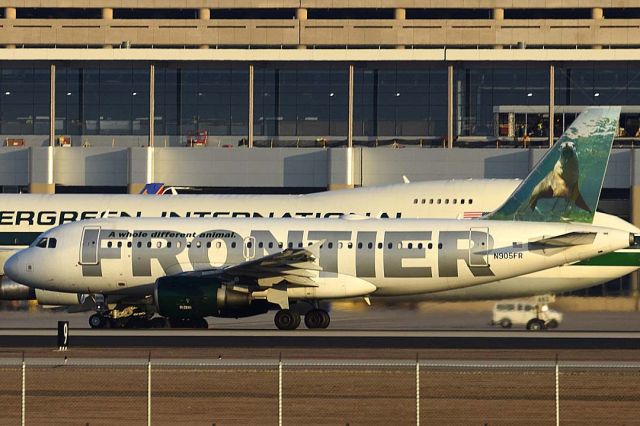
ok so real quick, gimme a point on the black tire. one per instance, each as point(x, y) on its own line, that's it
point(201, 323)
point(326, 319)
point(313, 319)
point(97, 321)
point(286, 319)
point(535, 325)
point(505, 323)
point(553, 324)
point(159, 322)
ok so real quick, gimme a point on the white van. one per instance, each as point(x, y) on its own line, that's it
point(534, 317)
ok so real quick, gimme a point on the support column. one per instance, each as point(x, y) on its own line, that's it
point(41, 170)
point(204, 14)
point(498, 15)
point(152, 104)
point(10, 14)
point(52, 105)
point(350, 108)
point(301, 15)
point(450, 106)
point(400, 14)
point(552, 101)
point(107, 15)
point(251, 101)
point(141, 168)
point(597, 14)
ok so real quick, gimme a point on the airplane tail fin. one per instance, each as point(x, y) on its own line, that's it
point(565, 185)
point(153, 189)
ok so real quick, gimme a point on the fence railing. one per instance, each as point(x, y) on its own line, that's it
point(220, 391)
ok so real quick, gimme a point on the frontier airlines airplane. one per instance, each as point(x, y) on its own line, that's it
point(245, 266)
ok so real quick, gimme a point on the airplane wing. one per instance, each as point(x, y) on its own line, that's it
point(296, 266)
point(566, 240)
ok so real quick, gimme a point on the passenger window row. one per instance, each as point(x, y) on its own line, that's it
point(443, 201)
point(290, 245)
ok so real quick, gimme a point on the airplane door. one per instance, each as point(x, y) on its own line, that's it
point(479, 247)
point(90, 244)
point(249, 248)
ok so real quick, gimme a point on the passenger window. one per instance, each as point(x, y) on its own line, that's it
point(208, 244)
point(129, 244)
point(249, 244)
point(350, 245)
point(455, 201)
point(420, 245)
point(359, 245)
point(119, 244)
point(271, 245)
point(290, 245)
point(178, 244)
point(280, 245)
point(431, 201)
point(462, 201)
point(379, 245)
point(470, 201)
point(330, 245)
point(430, 246)
point(390, 245)
point(218, 244)
point(415, 201)
point(233, 244)
point(446, 201)
point(340, 245)
point(198, 244)
point(168, 244)
point(139, 244)
point(439, 201)
point(300, 244)
point(410, 245)
point(440, 245)
point(260, 244)
point(399, 245)
point(42, 243)
point(149, 244)
point(159, 244)
point(109, 244)
point(424, 201)
point(52, 243)
point(189, 244)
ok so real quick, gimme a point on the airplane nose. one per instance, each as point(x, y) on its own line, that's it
point(13, 268)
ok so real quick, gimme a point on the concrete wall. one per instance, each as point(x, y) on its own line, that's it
point(280, 167)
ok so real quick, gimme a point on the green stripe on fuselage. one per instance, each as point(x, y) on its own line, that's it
point(617, 258)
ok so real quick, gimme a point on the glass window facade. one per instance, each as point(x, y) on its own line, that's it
point(102, 99)
point(302, 100)
point(199, 97)
point(583, 84)
point(502, 100)
point(400, 100)
point(24, 100)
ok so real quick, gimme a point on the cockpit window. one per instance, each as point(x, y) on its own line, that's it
point(52, 243)
point(42, 243)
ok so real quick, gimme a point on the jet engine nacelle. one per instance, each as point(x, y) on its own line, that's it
point(11, 290)
point(56, 298)
point(198, 297)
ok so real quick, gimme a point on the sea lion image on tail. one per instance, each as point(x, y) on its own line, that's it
point(562, 181)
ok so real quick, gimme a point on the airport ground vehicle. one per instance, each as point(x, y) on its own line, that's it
point(520, 312)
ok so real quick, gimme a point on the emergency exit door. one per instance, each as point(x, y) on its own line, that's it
point(90, 245)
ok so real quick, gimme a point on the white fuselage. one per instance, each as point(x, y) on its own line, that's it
point(397, 257)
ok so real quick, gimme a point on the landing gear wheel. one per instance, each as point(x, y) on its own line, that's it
point(313, 319)
point(535, 325)
point(505, 323)
point(200, 323)
point(287, 319)
point(317, 318)
point(159, 322)
point(326, 319)
point(97, 321)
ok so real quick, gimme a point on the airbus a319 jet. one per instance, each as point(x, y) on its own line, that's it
point(240, 267)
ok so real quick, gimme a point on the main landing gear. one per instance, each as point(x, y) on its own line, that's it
point(286, 319)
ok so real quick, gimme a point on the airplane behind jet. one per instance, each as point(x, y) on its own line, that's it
point(195, 252)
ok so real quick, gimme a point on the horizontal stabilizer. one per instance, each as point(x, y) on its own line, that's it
point(567, 240)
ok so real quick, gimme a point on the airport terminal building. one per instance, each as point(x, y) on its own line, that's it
point(304, 95)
